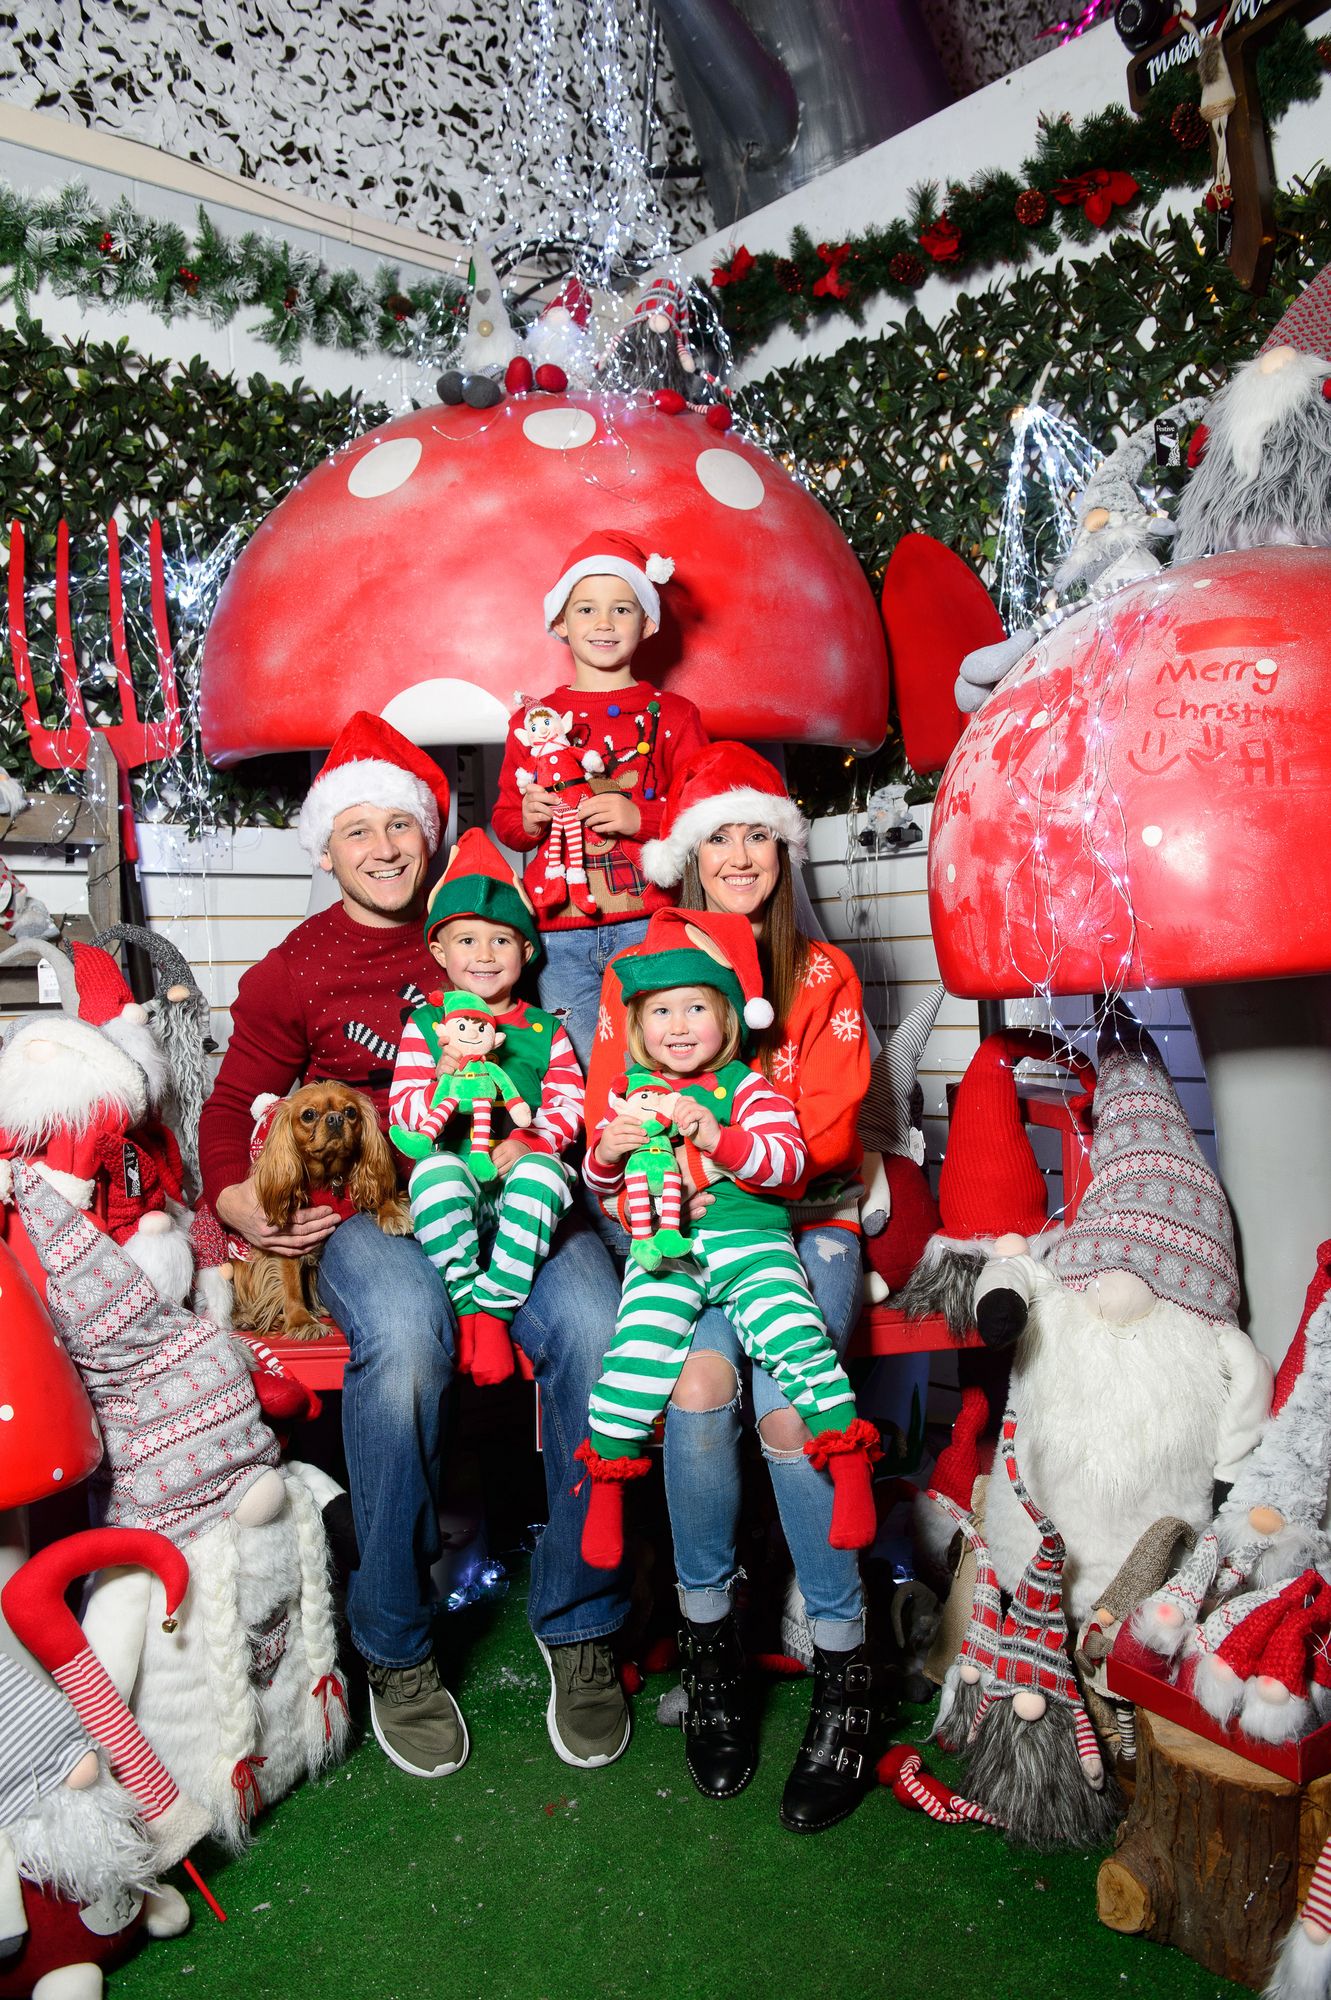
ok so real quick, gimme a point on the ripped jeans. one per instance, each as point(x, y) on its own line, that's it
point(702, 1469)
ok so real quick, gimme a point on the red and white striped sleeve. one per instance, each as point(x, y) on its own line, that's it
point(558, 1119)
point(762, 1145)
point(603, 1180)
point(413, 1081)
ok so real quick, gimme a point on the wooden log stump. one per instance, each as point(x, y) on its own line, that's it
point(1215, 1853)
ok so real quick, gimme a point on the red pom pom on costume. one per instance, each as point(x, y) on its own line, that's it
point(551, 378)
point(518, 377)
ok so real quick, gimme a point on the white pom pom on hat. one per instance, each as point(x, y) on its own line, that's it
point(758, 1013)
point(660, 568)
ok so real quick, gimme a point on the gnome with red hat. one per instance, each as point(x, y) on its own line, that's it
point(1132, 1385)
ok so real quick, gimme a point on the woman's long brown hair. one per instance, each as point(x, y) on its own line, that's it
point(783, 950)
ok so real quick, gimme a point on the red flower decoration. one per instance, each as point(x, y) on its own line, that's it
point(730, 274)
point(941, 241)
point(107, 243)
point(833, 284)
point(1096, 193)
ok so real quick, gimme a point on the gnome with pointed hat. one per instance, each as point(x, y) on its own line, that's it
point(898, 1213)
point(1132, 1385)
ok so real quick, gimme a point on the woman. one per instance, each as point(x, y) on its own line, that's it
point(731, 836)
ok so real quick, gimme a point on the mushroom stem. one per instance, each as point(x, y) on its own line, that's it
point(1266, 1047)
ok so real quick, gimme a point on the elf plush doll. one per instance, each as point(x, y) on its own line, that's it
point(559, 768)
point(652, 1181)
point(464, 1030)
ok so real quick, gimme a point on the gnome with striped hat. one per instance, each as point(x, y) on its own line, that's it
point(950, 1492)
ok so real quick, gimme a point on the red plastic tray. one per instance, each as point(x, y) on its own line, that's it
point(1309, 1757)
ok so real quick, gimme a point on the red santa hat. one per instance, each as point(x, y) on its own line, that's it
point(991, 1182)
point(1154, 1206)
point(698, 948)
point(574, 299)
point(373, 764)
point(721, 784)
point(607, 552)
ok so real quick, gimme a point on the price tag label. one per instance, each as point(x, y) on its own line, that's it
point(48, 986)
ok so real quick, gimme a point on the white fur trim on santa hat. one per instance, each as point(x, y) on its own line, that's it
point(642, 583)
point(370, 781)
point(663, 860)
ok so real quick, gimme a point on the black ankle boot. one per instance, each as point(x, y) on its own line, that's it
point(719, 1738)
point(833, 1769)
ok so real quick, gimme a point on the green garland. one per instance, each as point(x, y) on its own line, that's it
point(117, 256)
point(1080, 180)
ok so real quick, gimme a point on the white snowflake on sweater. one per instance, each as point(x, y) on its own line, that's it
point(604, 1025)
point(785, 1063)
point(846, 1025)
point(820, 969)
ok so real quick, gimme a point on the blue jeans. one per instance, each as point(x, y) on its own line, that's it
point(702, 1469)
point(569, 981)
point(391, 1304)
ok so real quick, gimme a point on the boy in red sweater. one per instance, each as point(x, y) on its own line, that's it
point(606, 771)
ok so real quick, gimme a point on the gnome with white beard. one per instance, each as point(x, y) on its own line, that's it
point(242, 1699)
point(1134, 1391)
point(1264, 478)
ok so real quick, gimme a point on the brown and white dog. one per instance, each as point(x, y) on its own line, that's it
point(324, 1148)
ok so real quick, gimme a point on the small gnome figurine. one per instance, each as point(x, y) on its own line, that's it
point(1264, 478)
point(488, 345)
point(898, 1214)
point(181, 1020)
point(1146, 1568)
point(467, 1033)
point(562, 340)
point(1302, 1970)
point(652, 1180)
point(559, 768)
point(991, 1183)
point(1035, 1762)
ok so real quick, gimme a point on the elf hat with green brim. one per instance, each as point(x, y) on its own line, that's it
point(462, 1006)
point(478, 882)
point(698, 948)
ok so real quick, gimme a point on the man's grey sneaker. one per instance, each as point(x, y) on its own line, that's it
point(587, 1715)
point(417, 1721)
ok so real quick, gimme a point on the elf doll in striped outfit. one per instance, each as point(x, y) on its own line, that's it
point(690, 996)
point(480, 927)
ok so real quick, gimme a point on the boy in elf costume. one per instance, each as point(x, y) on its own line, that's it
point(479, 926)
point(618, 741)
point(690, 996)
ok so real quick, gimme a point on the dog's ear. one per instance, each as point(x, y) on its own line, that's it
point(279, 1173)
point(374, 1176)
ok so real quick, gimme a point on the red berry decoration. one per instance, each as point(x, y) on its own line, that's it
point(1188, 128)
point(518, 377)
point(905, 269)
point(1030, 208)
point(669, 402)
point(718, 418)
point(1322, 50)
point(551, 378)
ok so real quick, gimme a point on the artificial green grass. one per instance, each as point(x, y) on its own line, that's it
point(522, 1878)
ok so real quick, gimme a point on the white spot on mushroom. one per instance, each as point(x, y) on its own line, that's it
point(1152, 836)
point(1264, 666)
point(444, 710)
point(951, 871)
point(385, 468)
point(6, 1413)
point(1203, 582)
point(1039, 719)
point(560, 429)
point(729, 478)
point(58, 1473)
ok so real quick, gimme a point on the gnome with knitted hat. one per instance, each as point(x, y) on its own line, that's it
point(1132, 1385)
point(951, 1493)
point(898, 1213)
point(1035, 1760)
point(990, 1185)
point(587, 767)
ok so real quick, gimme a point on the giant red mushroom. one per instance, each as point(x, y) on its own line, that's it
point(1143, 803)
point(48, 1434)
point(405, 576)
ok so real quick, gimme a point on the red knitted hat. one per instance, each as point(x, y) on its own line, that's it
point(103, 993)
point(373, 764)
point(991, 1182)
point(1287, 1655)
point(1245, 1648)
point(1292, 1366)
point(1033, 1644)
point(958, 1465)
point(607, 552)
point(719, 785)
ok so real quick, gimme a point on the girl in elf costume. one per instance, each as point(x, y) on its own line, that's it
point(730, 840)
point(480, 927)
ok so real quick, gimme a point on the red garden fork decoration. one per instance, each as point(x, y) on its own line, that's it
point(132, 741)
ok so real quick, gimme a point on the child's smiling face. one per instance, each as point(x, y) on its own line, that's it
point(481, 958)
point(680, 1029)
point(604, 625)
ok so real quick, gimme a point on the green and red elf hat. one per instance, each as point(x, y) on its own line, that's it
point(478, 882)
point(463, 1006)
point(698, 948)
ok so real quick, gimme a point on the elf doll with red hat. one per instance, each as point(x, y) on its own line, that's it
point(691, 996)
point(480, 928)
point(592, 764)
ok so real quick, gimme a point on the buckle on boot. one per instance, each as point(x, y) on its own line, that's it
point(857, 1678)
point(850, 1763)
point(856, 1722)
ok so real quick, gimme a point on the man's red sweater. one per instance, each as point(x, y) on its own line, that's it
point(329, 1001)
point(614, 722)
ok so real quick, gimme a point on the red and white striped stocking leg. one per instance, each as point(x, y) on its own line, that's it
point(670, 1201)
point(482, 1126)
point(640, 1206)
point(575, 855)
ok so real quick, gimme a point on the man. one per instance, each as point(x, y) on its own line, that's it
point(329, 1002)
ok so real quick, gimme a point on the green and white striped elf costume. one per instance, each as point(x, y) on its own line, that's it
point(741, 1257)
point(452, 1203)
